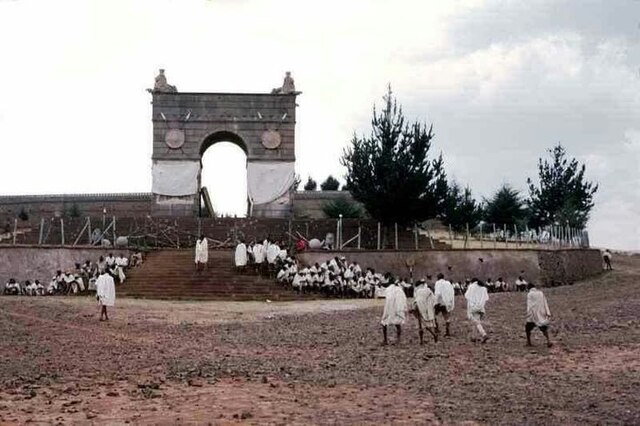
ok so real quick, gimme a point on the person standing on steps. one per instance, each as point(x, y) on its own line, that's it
point(241, 256)
point(202, 253)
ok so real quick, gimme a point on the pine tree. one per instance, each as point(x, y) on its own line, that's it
point(563, 195)
point(506, 207)
point(344, 207)
point(330, 184)
point(311, 185)
point(460, 208)
point(390, 171)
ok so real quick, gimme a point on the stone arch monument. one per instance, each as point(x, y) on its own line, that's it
point(186, 124)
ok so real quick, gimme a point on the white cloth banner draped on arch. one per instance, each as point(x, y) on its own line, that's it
point(267, 181)
point(175, 178)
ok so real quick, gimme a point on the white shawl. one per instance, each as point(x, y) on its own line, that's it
point(477, 296)
point(395, 306)
point(241, 254)
point(537, 309)
point(106, 290)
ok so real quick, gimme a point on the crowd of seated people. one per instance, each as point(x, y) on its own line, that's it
point(340, 278)
point(498, 286)
point(80, 280)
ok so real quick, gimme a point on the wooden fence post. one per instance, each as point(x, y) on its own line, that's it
point(506, 243)
point(466, 238)
point(41, 230)
point(396, 231)
point(378, 235)
point(15, 230)
point(62, 231)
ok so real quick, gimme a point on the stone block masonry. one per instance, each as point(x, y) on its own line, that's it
point(547, 267)
point(41, 262)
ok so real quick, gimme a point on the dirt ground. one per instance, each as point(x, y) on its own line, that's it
point(320, 362)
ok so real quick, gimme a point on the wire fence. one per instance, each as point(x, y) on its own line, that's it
point(334, 234)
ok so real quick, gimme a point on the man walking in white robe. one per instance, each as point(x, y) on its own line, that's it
point(445, 299)
point(538, 314)
point(105, 293)
point(202, 253)
point(395, 311)
point(424, 310)
point(477, 297)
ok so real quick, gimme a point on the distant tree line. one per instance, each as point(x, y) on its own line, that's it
point(392, 173)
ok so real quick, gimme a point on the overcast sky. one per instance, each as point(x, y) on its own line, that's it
point(501, 81)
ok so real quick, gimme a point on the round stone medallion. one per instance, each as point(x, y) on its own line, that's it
point(174, 138)
point(271, 139)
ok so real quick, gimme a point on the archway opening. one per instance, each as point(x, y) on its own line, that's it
point(224, 175)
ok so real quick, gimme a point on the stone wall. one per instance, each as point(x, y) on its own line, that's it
point(546, 267)
point(41, 262)
point(310, 204)
point(48, 206)
point(568, 266)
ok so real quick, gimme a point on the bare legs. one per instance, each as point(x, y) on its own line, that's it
point(476, 322)
point(385, 341)
point(103, 313)
point(543, 328)
point(431, 331)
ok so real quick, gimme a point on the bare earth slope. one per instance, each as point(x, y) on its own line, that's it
point(320, 362)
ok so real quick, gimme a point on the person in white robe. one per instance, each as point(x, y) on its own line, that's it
point(356, 268)
point(241, 256)
point(110, 259)
point(283, 253)
point(57, 283)
point(29, 288)
point(258, 256)
point(445, 301)
point(423, 308)
point(501, 285)
point(202, 253)
point(395, 311)
point(101, 265)
point(272, 253)
point(70, 282)
point(521, 284)
point(538, 314)
point(106, 294)
point(39, 288)
point(477, 297)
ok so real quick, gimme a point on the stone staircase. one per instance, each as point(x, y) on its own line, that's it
point(170, 274)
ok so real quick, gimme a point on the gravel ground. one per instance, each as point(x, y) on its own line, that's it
point(320, 362)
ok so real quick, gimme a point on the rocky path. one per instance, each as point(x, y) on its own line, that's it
point(320, 362)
